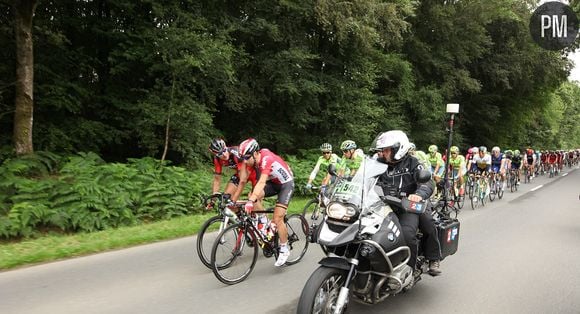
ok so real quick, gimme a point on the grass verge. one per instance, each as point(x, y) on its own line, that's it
point(56, 247)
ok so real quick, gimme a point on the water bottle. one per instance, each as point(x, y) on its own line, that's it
point(262, 223)
point(271, 231)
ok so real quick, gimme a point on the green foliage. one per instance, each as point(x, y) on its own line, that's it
point(44, 192)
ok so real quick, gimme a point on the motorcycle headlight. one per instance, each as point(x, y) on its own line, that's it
point(341, 212)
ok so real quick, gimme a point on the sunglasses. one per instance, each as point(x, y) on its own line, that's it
point(325, 153)
point(346, 151)
point(246, 157)
point(220, 154)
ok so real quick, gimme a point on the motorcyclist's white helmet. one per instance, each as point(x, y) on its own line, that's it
point(397, 140)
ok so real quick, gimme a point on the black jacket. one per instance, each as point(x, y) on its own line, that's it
point(402, 177)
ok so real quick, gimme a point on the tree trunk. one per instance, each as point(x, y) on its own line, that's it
point(23, 14)
point(166, 146)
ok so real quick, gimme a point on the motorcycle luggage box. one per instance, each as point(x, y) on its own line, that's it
point(448, 231)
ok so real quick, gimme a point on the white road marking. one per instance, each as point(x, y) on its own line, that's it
point(537, 187)
point(565, 174)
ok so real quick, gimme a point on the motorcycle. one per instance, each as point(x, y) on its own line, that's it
point(366, 253)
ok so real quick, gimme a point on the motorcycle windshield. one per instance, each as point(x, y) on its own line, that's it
point(361, 191)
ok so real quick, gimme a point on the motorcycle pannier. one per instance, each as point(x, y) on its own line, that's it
point(448, 231)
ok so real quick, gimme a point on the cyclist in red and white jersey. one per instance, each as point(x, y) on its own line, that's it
point(227, 157)
point(275, 178)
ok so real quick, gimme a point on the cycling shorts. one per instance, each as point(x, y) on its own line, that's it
point(439, 172)
point(495, 168)
point(456, 172)
point(284, 191)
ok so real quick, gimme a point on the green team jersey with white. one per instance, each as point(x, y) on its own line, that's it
point(322, 164)
point(423, 159)
point(436, 160)
point(457, 162)
point(351, 164)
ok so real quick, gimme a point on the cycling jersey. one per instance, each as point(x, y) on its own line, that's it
point(530, 159)
point(436, 160)
point(482, 163)
point(323, 163)
point(349, 164)
point(423, 159)
point(457, 162)
point(516, 162)
point(231, 162)
point(496, 162)
point(274, 167)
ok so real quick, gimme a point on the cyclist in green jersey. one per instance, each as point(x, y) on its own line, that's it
point(351, 159)
point(457, 163)
point(421, 156)
point(323, 162)
point(437, 164)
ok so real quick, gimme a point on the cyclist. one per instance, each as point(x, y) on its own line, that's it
point(228, 157)
point(544, 159)
point(552, 160)
point(529, 161)
point(516, 164)
point(351, 159)
point(457, 164)
point(275, 178)
point(420, 155)
point(482, 161)
point(498, 163)
point(437, 164)
point(325, 160)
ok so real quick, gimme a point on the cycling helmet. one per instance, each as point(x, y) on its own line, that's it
point(483, 149)
point(470, 150)
point(217, 146)
point(326, 147)
point(433, 148)
point(517, 152)
point(248, 147)
point(347, 145)
point(495, 149)
point(475, 150)
point(412, 147)
point(397, 140)
point(509, 153)
point(454, 149)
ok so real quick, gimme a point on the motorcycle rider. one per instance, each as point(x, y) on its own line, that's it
point(399, 178)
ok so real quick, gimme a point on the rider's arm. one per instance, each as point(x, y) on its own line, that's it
point(243, 175)
point(315, 171)
point(217, 176)
point(258, 188)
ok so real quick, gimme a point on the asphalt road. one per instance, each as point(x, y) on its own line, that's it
point(520, 254)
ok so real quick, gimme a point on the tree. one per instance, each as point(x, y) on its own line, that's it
point(24, 102)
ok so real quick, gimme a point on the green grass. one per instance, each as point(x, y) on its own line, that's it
point(56, 247)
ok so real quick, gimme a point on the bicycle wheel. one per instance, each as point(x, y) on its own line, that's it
point(470, 187)
point(297, 237)
point(475, 198)
point(460, 200)
point(500, 188)
point(312, 213)
point(206, 237)
point(230, 263)
point(492, 190)
point(482, 192)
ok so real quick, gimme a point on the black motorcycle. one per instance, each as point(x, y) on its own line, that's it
point(367, 254)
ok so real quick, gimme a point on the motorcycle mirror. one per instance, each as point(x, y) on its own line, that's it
point(332, 169)
point(423, 176)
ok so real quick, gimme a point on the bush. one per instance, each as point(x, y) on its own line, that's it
point(44, 192)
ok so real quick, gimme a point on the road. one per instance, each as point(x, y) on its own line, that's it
point(520, 254)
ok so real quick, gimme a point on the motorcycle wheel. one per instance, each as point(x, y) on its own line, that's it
point(321, 291)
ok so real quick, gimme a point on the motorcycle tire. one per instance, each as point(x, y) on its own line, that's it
point(321, 279)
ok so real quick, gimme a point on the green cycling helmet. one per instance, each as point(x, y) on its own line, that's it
point(454, 149)
point(433, 148)
point(517, 152)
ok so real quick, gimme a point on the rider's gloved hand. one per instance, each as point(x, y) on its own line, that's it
point(308, 186)
point(323, 189)
point(249, 207)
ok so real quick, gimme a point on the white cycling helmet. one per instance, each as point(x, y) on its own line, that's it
point(397, 140)
point(475, 150)
point(495, 149)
